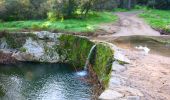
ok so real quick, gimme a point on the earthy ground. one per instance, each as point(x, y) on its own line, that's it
point(150, 74)
point(147, 75)
point(129, 24)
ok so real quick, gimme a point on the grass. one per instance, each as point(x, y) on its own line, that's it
point(88, 24)
point(158, 19)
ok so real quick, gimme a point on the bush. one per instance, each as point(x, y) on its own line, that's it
point(22, 9)
point(52, 16)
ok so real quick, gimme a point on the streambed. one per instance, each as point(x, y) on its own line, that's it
point(30, 81)
point(134, 42)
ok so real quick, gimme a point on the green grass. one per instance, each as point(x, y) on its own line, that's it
point(88, 24)
point(158, 19)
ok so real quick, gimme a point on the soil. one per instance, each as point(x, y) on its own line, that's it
point(148, 73)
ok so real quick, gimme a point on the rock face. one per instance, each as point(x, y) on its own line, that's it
point(46, 47)
point(110, 95)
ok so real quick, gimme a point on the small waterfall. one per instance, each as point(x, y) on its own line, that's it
point(88, 58)
point(84, 72)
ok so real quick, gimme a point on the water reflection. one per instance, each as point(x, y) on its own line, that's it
point(42, 82)
point(140, 41)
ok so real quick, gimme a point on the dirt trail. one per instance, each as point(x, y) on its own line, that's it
point(129, 24)
point(150, 74)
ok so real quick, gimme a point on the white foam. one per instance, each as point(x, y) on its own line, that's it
point(81, 73)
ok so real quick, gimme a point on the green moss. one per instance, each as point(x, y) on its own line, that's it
point(1, 92)
point(75, 48)
point(22, 49)
point(102, 62)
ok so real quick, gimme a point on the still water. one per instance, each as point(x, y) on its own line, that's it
point(137, 41)
point(42, 82)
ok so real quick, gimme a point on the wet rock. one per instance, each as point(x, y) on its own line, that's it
point(110, 95)
point(120, 57)
point(116, 67)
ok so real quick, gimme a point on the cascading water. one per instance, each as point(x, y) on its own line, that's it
point(88, 58)
point(84, 72)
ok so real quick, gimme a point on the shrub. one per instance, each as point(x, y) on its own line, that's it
point(52, 16)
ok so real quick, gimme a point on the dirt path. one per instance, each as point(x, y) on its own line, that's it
point(150, 74)
point(146, 77)
point(129, 24)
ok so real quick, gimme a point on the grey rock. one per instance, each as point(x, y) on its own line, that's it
point(133, 98)
point(33, 48)
point(120, 57)
point(3, 44)
point(117, 67)
point(115, 81)
point(23, 56)
point(110, 95)
point(48, 35)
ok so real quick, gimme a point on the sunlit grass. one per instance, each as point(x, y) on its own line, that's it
point(88, 24)
point(159, 19)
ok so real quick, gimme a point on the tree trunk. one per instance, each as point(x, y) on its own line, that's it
point(129, 4)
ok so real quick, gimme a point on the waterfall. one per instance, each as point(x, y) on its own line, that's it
point(88, 58)
point(84, 72)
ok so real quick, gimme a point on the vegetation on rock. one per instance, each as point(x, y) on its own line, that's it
point(102, 62)
point(75, 48)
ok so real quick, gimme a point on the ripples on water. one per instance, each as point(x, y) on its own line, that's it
point(42, 82)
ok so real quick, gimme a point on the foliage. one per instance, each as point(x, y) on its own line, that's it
point(102, 62)
point(159, 4)
point(1, 90)
point(158, 19)
point(22, 9)
point(52, 16)
point(72, 25)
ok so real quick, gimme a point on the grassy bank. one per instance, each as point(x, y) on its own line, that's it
point(158, 19)
point(88, 24)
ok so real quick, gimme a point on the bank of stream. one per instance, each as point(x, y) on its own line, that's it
point(146, 77)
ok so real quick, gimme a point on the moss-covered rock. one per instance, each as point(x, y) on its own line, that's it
point(102, 62)
point(49, 47)
point(76, 49)
point(16, 40)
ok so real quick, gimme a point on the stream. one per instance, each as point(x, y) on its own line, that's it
point(30, 81)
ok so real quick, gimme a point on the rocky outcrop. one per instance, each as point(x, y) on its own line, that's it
point(46, 47)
